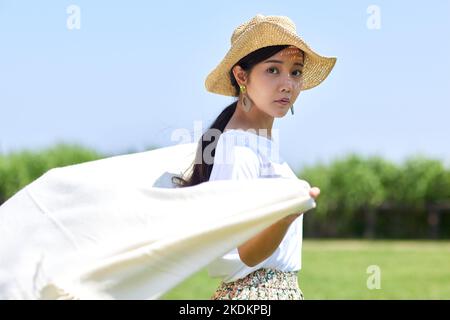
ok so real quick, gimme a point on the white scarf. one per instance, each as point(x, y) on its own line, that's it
point(116, 228)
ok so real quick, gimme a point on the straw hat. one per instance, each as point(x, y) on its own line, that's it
point(262, 31)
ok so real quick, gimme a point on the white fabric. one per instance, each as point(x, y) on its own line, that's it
point(242, 155)
point(117, 229)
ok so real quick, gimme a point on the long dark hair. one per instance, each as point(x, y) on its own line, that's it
point(201, 169)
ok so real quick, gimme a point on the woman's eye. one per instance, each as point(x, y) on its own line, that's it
point(297, 73)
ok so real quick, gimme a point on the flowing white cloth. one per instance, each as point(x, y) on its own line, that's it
point(117, 228)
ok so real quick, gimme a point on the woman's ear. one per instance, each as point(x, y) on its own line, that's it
point(240, 75)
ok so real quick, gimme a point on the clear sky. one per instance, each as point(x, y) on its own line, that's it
point(134, 72)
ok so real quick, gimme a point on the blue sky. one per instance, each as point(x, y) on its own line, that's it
point(135, 70)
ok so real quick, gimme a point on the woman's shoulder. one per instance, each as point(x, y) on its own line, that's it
point(245, 138)
point(266, 148)
point(245, 151)
point(237, 146)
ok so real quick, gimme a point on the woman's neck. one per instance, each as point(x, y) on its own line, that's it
point(252, 120)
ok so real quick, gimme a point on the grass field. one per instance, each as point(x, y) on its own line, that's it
point(337, 269)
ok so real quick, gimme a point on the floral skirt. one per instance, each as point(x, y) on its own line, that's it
point(262, 284)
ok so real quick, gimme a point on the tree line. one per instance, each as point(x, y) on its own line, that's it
point(360, 196)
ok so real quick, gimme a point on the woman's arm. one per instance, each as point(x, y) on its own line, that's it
point(261, 246)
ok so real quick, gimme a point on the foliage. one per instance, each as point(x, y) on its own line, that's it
point(353, 190)
point(18, 169)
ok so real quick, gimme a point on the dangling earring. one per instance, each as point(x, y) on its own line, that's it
point(292, 109)
point(246, 103)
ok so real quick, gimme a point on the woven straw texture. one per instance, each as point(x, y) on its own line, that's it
point(262, 31)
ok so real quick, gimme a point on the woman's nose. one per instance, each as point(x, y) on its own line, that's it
point(288, 84)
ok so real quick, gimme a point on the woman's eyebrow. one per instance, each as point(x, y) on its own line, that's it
point(278, 61)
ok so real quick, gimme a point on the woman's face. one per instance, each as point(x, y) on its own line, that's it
point(275, 78)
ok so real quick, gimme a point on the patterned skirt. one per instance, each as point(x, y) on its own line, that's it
point(262, 284)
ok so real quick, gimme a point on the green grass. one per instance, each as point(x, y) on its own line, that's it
point(337, 269)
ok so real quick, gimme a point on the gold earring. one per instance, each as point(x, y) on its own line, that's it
point(246, 103)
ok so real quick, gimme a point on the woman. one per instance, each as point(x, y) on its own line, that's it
point(267, 67)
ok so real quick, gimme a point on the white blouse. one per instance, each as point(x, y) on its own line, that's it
point(243, 154)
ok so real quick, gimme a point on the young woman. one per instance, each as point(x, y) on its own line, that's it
point(267, 67)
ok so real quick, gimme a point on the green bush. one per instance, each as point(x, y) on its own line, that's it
point(18, 169)
point(359, 192)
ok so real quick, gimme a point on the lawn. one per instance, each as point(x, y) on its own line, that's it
point(338, 269)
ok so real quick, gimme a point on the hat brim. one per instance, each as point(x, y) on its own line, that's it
point(316, 67)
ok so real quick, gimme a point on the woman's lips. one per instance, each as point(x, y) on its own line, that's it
point(283, 102)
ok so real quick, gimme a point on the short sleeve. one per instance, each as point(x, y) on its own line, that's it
point(235, 162)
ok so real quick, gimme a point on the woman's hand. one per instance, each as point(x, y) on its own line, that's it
point(313, 192)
